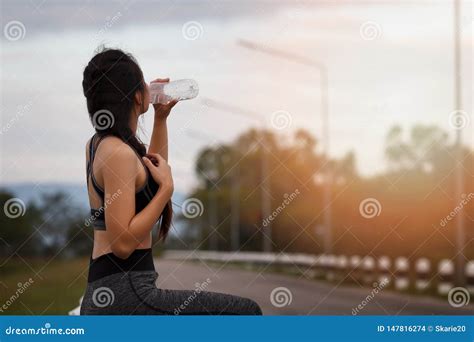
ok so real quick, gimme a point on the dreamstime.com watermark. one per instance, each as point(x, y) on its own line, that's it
point(459, 119)
point(46, 330)
point(281, 296)
point(199, 288)
point(107, 201)
point(14, 30)
point(103, 297)
point(286, 202)
point(109, 22)
point(377, 288)
point(103, 119)
point(14, 208)
point(192, 30)
point(370, 30)
point(281, 119)
point(465, 200)
point(21, 111)
point(192, 208)
point(458, 297)
point(19, 291)
point(370, 208)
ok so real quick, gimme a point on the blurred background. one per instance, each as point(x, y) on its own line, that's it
point(329, 154)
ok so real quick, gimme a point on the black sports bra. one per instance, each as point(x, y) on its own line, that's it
point(142, 197)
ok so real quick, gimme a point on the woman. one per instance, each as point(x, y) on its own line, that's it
point(129, 192)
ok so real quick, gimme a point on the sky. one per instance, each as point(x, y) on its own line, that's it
point(388, 63)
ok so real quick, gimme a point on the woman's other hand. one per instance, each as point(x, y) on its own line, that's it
point(160, 171)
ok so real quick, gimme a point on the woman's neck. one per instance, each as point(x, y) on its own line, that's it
point(134, 122)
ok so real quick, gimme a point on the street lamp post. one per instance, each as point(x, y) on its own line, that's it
point(212, 196)
point(459, 185)
point(265, 197)
point(235, 210)
point(264, 189)
point(213, 221)
point(324, 85)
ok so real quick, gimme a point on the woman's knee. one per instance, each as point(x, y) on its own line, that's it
point(253, 307)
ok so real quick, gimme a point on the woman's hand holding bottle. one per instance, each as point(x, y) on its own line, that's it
point(163, 110)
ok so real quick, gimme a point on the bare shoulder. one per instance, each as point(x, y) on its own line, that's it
point(116, 150)
point(115, 163)
point(113, 152)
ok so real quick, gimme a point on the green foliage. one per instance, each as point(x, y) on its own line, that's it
point(44, 229)
point(415, 193)
point(18, 233)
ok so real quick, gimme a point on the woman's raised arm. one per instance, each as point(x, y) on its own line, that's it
point(159, 136)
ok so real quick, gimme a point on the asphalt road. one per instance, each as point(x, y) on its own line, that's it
point(296, 295)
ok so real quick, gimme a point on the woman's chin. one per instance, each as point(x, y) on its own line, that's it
point(145, 109)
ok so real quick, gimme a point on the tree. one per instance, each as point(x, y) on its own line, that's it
point(17, 222)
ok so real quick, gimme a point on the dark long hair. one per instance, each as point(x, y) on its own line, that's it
point(111, 80)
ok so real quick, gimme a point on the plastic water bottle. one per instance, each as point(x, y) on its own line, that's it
point(179, 90)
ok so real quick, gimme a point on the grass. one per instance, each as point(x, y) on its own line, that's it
point(55, 288)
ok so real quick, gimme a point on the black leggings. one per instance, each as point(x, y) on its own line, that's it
point(128, 287)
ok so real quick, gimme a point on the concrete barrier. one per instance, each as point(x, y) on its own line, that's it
point(469, 272)
point(362, 270)
point(445, 276)
point(331, 267)
point(368, 269)
point(323, 264)
point(422, 268)
point(383, 266)
point(342, 267)
point(355, 268)
point(402, 269)
point(316, 267)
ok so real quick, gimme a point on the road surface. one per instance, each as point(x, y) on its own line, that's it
point(296, 295)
